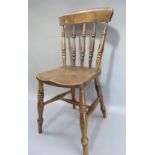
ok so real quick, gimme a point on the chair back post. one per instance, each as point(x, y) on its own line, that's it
point(91, 50)
point(83, 44)
point(63, 45)
point(73, 48)
point(101, 46)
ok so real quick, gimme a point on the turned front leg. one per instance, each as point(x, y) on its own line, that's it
point(83, 122)
point(99, 94)
point(40, 106)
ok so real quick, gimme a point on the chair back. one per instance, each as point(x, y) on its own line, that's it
point(92, 16)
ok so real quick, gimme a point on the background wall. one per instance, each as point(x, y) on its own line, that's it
point(106, 138)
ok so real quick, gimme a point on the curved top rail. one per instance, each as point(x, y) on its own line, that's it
point(87, 16)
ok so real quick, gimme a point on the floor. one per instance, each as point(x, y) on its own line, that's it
point(61, 131)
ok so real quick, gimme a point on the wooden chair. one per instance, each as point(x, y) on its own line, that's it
point(72, 76)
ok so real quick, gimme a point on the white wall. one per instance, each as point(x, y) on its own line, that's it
point(45, 53)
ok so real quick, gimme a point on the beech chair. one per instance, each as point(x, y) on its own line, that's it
point(72, 76)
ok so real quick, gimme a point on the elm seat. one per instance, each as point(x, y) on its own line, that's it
point(68, 76)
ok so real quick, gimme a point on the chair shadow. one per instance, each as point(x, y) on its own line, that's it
point(113, 39)
point(63, 129)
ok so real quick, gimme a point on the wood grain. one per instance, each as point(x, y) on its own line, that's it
point(87, 16)
point(73, 76)
point(91, 50)
point(73, 46)
point(83, 121)
point(83, 44)
point(40, 105)
point(63, 45)
point(68, 76)
point(101, 47)
point(100, 96)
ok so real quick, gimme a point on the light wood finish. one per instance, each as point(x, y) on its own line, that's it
point(40, 105)
point(83, 44)
point(83, 121)
point(68, 76)
point(77, 77)
point(73, 46)
point(101, 46)
point(57, 97)
point(100, 95)
point(91, 50)
point(63, 45)
point(73, 96)
point(87, 16)
point(73, 102)
point(93, 106)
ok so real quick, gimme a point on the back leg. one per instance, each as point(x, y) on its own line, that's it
point(99, 94)
point(73, 96)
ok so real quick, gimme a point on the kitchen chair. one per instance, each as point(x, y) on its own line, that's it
point(73, 76)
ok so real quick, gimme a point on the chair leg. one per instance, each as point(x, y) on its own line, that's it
point(99, 94)
point(40, 106)
point(73, 96)
point(83, 122)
